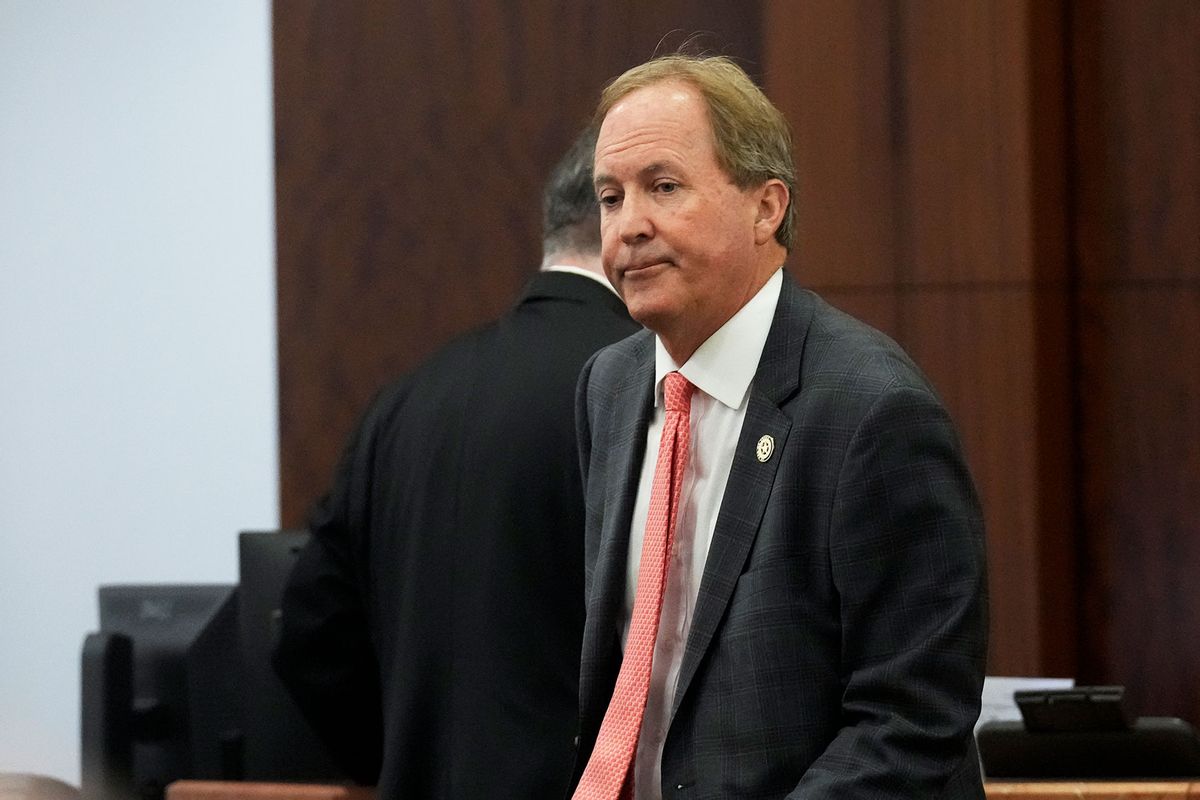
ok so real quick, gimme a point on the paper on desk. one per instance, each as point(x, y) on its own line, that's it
point(998, 702)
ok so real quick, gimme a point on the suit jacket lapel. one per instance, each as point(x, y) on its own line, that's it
point(633, 401)
point(631, 406)
point(750, 480)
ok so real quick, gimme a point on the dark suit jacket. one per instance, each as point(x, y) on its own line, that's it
point(448, 561)
point(837, 646)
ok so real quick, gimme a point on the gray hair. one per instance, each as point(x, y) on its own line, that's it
point(570, 213)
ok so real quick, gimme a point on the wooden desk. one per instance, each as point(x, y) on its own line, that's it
point(1135, 790)
point(248, 790)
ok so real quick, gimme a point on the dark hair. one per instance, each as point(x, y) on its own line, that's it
point(751, 137)
point(570, 213)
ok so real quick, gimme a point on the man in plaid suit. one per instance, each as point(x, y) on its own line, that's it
point(823, 623)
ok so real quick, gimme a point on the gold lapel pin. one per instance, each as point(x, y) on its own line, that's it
point(766, 446)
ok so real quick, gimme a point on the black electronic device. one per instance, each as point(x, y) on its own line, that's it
point(1080, 708)
point(160, 690)
point(107, 716)
point(1086, 733)
point(280, 745)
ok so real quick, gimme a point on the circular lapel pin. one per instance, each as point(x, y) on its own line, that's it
point(766, 446)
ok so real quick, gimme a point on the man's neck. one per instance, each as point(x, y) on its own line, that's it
point(685, 339)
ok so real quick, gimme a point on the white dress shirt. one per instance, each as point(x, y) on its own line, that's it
point(721, 369)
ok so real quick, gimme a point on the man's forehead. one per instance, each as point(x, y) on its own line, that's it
point(667, 92)
point(667, 104)
point(657, 124)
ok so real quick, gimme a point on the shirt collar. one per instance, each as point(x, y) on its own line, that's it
point(586, 273)
point(724, 365)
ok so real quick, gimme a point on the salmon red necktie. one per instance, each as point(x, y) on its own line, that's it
point(610, 764)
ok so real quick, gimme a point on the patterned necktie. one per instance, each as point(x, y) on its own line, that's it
point(616, 744)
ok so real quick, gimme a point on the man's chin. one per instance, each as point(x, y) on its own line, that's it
point(650, 312)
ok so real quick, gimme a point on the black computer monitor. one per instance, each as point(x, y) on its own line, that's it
point(280, 744)
point(161, 690)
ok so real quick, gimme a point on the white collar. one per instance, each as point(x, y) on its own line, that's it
point(724, 365)
point(586, 273)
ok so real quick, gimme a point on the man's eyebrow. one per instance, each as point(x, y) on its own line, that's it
point(603, 179)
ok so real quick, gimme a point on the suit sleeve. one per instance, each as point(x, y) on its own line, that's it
point(324, 654)
point(907, 559)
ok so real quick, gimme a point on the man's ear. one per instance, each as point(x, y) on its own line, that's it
point(773, 198)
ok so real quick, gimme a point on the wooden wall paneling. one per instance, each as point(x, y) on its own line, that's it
point(1141, 449)
point(1055, 487)
point(1137, 128)
point(987, 175)
point(975, 345)
point(989, 184)
point(411, 141)
point(827, 67)
point(1136, 113)
point(966, 68)
point(930, 142)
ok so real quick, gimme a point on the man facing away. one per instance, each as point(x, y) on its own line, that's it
point(431, 629)
point(785, 560)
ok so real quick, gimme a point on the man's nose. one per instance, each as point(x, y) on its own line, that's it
point(634, 224)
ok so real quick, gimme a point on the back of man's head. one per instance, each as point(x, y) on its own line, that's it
point(570, 213)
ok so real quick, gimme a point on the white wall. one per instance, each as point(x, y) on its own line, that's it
point(137, 324)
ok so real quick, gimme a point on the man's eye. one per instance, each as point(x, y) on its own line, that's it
point(666, 186)
point(609, 199)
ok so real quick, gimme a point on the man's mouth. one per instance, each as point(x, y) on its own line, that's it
point(643, 266)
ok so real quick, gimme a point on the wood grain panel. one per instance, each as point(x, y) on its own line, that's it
point(411, 142)
point(919, 159)
point(1141, 451)
point(827, 68)
point(967, 89)
point(1136, 111)
point(1137, 130)
point(251, 790)
point(977, 346)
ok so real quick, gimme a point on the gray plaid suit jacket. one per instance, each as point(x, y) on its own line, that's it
point(838, 643)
